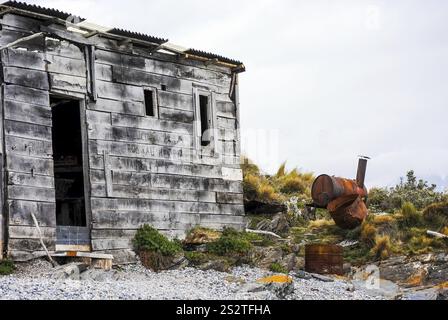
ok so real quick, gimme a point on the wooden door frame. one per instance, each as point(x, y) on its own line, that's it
point(85, 160)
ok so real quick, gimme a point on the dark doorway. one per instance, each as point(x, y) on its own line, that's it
point(71, 218)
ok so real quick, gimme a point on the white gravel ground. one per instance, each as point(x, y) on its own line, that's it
point(134, 282)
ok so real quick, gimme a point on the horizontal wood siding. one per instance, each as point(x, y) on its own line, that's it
point(142, 169)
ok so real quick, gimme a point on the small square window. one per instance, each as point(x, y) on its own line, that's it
point(163, 86)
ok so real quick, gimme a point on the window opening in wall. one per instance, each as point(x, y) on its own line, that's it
point(204, 109)
point(150, 103)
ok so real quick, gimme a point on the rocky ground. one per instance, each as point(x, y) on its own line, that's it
point(38, 280)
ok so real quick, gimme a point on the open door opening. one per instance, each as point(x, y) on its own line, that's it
point(73, 232)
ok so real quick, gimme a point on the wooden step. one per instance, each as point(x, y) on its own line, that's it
point(95, 260)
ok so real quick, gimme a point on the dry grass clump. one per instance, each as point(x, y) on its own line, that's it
point(368, 233)
point(383, 219)
point(382, 248)
point(437, 214)
point(277, 188)
point(410, 216)
point(321, 223)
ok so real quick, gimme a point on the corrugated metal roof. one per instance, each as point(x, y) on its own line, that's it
point(41, 10)
point(210, 55)
point(137, 35)
point(115, 31)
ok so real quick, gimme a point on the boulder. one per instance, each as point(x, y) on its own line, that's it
point(278, 225)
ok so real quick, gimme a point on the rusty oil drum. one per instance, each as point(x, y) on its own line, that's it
point(324, 259)
point(348, 212)
point(326, 188)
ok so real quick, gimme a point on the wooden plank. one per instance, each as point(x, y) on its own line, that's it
point(108, 175)
point(176, 101)
point(28, 147)
point(111, 244)
point(226, 109)
point(18, 192)
point(60, 48)
point(68, 83)
point(27, 95)
point(19, 213)
point(229, 198)
point(66, 66)
point(158, 166)
point(24, 179)
point(173, 181)
point(124, 107)
point(116, 148)
point(103, 72)
point(21, 22)
point(27, 130)
point(103, 219)
point(226, 123)
point(164, 206)
point(141, 78)
point(140, 192)
point(128, 134)
point(169, 68)
point(21, 163)
point(24, 59)
point(23, 256)
point(29, 113)
point(9, 35)
point(26, 77)
point(25, 232)
point(149, 123)
point(113, 233)
point(120, 92)
point(31, 245)
point(176, 115)
point(100, 117)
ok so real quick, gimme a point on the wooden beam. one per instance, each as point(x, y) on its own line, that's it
point(21, 40)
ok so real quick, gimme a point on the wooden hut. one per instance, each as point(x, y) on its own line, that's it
point(103, 130)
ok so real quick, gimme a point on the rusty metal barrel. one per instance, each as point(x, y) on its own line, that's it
point(348, 212)
point(326, 189)
point(324, 259)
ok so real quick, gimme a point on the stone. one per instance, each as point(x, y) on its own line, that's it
point(443, 295)
point(70, 271)
point(322, 278)
point(302, 275)
point(220, 265)
point(281, 285)
point(426, 294)
point(253, 287)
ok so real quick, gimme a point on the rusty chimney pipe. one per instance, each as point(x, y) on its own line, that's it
point(361, 174)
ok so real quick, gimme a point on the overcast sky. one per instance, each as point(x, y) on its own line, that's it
point(328, 79)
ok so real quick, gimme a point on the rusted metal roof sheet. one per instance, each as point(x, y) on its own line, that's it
point(137, 35)
point(210, 55)
point(40, 10)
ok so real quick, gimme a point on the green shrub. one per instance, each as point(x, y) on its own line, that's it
point(410, 216)
point(149, 239)
point(410, 189)
point(6, 267)
point(437, 214)
point(231, 242)
point(277, 268)
point(197, 257)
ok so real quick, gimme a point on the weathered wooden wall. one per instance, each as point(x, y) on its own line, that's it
point(139, 167)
